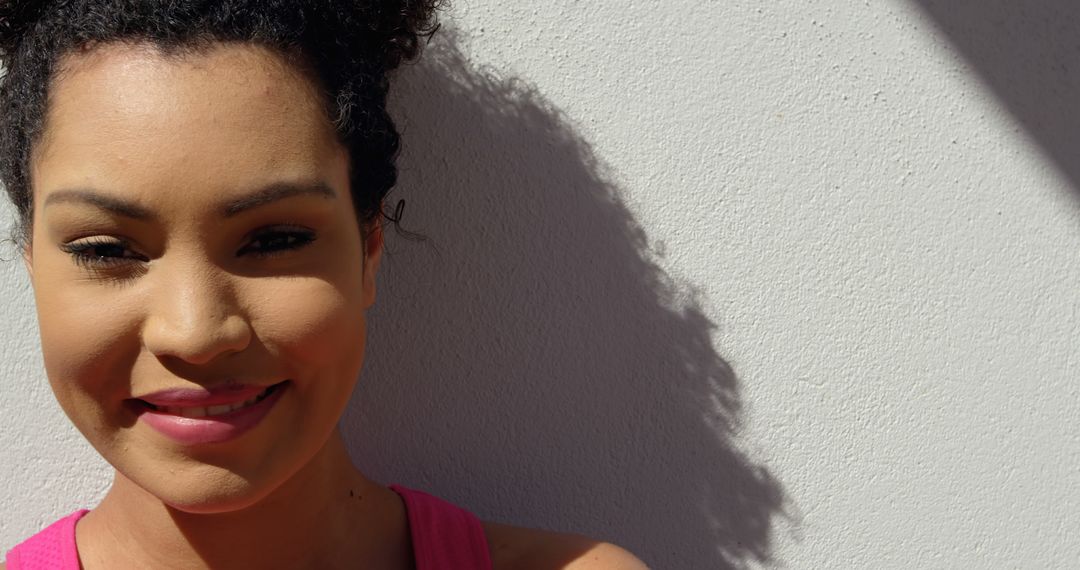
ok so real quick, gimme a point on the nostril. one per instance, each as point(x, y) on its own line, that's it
point(139, 405)
point(196, 340)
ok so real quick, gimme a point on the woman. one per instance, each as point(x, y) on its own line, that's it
point(200, 188)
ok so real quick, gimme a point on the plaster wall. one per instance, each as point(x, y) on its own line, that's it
point(733, 284)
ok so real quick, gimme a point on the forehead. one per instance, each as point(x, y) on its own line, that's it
point(129, 117)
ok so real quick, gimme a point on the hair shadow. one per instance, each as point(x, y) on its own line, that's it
point(530, 360)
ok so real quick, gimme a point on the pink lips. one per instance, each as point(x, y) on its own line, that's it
point(167, 412)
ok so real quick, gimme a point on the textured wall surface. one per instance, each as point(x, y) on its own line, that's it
point(733, 284)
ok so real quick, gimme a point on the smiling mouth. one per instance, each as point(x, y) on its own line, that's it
point(210, 411)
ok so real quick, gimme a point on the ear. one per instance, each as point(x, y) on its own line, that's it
point(28, 259)
point(373, 247)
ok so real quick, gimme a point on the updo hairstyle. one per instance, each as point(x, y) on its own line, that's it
point(349, 47)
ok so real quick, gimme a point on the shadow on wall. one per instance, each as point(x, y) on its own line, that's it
point(529, 361)
point(1029, 54)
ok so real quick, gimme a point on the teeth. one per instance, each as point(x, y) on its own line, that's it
point(201, 412)
point(193, 412)
point(218, 410)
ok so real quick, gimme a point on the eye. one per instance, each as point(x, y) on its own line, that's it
point(101, 253)
point(270, 242)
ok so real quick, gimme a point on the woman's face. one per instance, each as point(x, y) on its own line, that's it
point(194, 245)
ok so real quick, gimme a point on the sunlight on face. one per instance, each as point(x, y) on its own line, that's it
point(193, 229)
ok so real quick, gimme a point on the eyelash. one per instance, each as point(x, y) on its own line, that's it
point(85, 253)
point(294, 239)
point(82, 253)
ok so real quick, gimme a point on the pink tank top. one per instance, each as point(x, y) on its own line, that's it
point(443, 536)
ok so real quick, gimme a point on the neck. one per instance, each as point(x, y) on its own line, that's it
point(328, 515)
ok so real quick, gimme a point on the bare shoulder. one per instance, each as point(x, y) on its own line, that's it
point(518, 548)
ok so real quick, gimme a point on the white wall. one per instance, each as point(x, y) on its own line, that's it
point(733, 284)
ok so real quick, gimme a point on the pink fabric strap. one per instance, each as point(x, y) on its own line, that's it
point(50, 549)
point(443, 535)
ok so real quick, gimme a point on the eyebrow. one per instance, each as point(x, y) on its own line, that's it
point(102, 201)
point(274, 192)
point(261, 197)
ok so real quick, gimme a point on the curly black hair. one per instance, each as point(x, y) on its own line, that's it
point(349, 46)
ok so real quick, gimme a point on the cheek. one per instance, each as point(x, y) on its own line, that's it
point(89, 343)
point(317, 326)
point(84, 330)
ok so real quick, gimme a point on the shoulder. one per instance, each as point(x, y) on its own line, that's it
point(518, 548)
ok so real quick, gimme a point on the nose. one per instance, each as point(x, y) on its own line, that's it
point(193, 316)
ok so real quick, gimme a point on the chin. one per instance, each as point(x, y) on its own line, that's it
point(208, 490)
point(198, 488)
point(215, 504)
